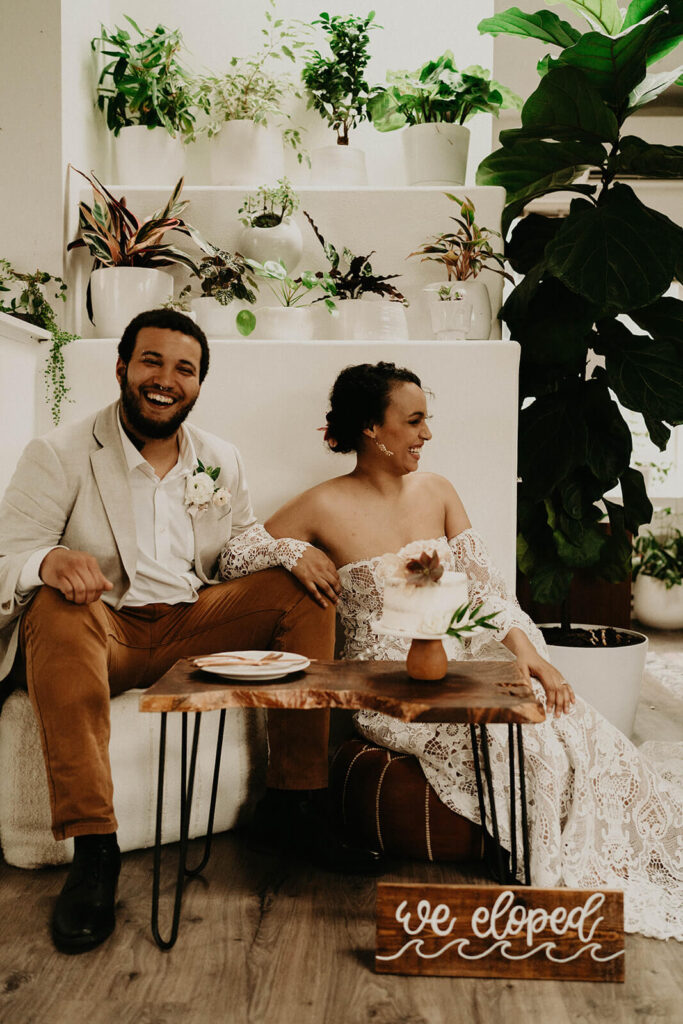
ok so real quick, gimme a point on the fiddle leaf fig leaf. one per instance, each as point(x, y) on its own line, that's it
point(662, 319)
point(543, 25)
point(528, 241)
point(552, 441)
point(619, 254)
point(553, 326)
point(567, 105)
point(637, 505)
point(652, 161)
point(601, 14)
point(671, 30)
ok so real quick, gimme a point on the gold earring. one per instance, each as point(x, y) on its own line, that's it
point(382, 447)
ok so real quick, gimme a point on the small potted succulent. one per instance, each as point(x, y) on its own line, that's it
point(246, 108)
point(465, 253)
point(149, 99)
point(338, 90)
point(434, 103)
point(658, 575)
point(25, 298)
point(228, 292)
point(269, 233)
point(291, 319)
point(451, 313)
point(128, 253)
point(355, 281)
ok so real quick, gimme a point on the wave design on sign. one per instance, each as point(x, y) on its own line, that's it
point(503, 946)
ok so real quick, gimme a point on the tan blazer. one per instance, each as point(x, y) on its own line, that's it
point(72, 487)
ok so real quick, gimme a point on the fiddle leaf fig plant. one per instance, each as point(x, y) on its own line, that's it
point(336, 85)
point(596, 330)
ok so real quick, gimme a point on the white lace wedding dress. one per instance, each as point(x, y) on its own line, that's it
point(602, 813)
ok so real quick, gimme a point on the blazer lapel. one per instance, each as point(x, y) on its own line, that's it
point(111, 476)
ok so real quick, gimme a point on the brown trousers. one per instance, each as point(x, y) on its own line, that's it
point(78, 656)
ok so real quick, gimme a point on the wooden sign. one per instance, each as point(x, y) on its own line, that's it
point(500, 932)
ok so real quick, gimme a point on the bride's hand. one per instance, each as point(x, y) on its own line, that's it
point(559, 695)
point(317, 573)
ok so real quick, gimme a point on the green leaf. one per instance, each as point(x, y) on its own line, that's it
point(528, 240)
point(543, 25)
point(585, 552)
point(246, 322)
point(652, 161)
point(609, 447)
point(671, 30)
point(614, 65)
point(553, 326)
point(552, 441)
point(601, 14)
point(650, 87)
point(566, 105)
point(619, 254)
point(637, 505)
point(615, 561)
point(550, 582)
point(662, 319)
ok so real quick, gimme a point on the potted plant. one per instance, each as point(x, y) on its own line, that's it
point(291, 319)
point(246, 108)
point(27, 300)
point(269, 233)
point(359, 320)
point(128, 252)
point(465, 253)
point(223, 309)
point(433, 104)
point(451, 313)
point(337, 89)
point(658, 576)
point(149, 100)
point(610, 256)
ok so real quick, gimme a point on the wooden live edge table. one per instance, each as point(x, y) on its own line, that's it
point(474, 693)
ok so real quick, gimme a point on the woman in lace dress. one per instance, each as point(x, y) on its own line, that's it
point(600, 815)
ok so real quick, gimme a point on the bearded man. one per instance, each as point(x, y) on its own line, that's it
point(109, 541)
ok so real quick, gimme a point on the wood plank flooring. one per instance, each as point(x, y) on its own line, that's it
point(265, 941)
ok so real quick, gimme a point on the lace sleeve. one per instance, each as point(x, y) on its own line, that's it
point(485, 583)
point(255, 549)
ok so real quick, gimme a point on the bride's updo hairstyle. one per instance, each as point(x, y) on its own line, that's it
point(359, 399)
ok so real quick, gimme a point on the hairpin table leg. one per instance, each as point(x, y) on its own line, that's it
point(192, 872)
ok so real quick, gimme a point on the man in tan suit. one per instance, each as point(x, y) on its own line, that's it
point(109, 539)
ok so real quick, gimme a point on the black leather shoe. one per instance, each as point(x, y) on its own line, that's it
point(296, 823)
point(84, 913)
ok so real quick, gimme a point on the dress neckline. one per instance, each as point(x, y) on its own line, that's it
point(376, 558)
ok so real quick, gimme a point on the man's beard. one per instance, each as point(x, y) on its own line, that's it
point(144, 426)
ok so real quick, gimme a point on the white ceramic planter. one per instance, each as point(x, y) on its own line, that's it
point(436, 153)
point(654, 605)
point(244, 153)
point(368, 320)
point(282, 242)
point(338, 165)
point(120, 293)
point(216, 320)
point(476, 293)
point(451, 318)
point(283, 323)
point(149, 156)
point(609, 678)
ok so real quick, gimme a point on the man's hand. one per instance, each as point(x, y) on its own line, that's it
point(76, 574)
point(318, 575)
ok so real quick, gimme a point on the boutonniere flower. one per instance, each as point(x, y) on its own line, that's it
point(201, 490)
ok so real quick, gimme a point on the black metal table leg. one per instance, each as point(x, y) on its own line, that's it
point(513, 804)
point(192, 872)
point(522, 799)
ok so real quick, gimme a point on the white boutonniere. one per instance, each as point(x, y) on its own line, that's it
point(201, 490)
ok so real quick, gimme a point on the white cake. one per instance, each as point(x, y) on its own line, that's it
point(425, 609)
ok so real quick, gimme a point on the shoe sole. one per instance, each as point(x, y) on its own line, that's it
point(73, 946)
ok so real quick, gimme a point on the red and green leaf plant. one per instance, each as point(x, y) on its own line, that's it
point(467, 251)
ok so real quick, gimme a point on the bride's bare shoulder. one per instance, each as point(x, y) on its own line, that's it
point(440, 485)
point(305, 507)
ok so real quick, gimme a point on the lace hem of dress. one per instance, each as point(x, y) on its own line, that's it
point(255, 549)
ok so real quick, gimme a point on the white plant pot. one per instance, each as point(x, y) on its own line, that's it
point(216, 320)
point(338, 165)
point(654, 605)
point(120, 293)
point(436, 153)
point(451, 318)
point(477, 294)
point(283, 323)
point(149, 156)
point(608, 678)
point(282, 242)
point(370, 320)
point(244, 153)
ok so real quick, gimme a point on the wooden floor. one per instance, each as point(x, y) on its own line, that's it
point(263, 941)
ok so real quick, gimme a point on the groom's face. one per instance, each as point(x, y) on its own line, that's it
point(160, 382)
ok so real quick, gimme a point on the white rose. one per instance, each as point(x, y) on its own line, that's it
point(199, 489)
point(436, 623)
point(221, 497)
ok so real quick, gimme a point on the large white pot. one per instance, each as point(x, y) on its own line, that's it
point(608, 678)
point(654, 605)
point(120, 293)
point(282, 242)
point(477, 294)
point(436, 153)
point(244, 153)
point(370, 320)
point(216, 320)
point(338, 165)
point(149, 156)
point(283, 323)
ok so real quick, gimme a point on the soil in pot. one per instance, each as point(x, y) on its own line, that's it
point(600, 636)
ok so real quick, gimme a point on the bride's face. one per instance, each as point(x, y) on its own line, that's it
point(404, 430)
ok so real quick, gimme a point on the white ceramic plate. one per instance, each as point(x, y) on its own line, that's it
point(255, 673)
